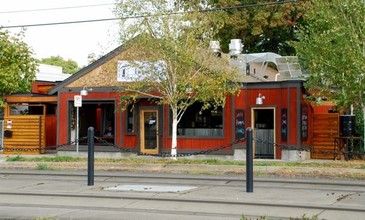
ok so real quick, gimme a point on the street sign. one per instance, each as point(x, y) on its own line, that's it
point(78, 101)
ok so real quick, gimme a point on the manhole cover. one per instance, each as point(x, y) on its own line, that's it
point(150, 188)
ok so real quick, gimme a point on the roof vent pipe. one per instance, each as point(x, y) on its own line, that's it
point(235, 47)
point(215, 47)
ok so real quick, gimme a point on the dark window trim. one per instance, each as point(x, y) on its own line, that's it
point(197, 136)
point(134, 120)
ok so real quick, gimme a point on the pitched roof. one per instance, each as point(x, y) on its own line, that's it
point(259, 70)
point(87, 69)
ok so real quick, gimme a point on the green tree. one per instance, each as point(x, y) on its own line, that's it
point(180, 69)
point(262, 25)
point(332, 44)
point(17, 65)
point(68, 66)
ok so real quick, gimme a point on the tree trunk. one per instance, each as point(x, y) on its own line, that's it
point(174, 135)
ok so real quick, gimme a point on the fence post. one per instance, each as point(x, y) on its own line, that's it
point(90, 158)
point(249, 161)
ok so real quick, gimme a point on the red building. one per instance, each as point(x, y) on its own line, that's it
point(272, 104)
point(272, 101)
point(31, 118)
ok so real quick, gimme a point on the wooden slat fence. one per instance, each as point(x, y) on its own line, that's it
point(325, 128)
point(28, 135)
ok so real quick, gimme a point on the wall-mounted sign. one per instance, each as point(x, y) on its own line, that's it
point(9, 124)
point(78, 101)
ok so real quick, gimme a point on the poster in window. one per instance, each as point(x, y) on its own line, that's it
point(304, 122)
point(240, 124)
point(284, 124)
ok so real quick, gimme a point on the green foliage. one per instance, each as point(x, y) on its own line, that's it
point(57, 159)
point(17, 65)
point(181, 41)
point(212, 161)
point(44, 159)
point(68, 66)
point(359, 122)
point(267, 28)
point(259, 218)
point(14, 159)
point(305, 217)
point(332, 46)
point(43, 166)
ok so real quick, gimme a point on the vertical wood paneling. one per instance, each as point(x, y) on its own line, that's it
point(51, 130)
point(28, 135)
point(325, 128)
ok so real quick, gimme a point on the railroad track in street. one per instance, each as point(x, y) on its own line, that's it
point(150, 196)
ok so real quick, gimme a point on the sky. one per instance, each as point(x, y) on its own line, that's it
point(70, 41)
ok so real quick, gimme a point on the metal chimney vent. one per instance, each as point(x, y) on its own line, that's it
point(235, 47)
point(215, 46)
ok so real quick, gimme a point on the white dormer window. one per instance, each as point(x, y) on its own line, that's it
point(126, 73)
point(138, 70)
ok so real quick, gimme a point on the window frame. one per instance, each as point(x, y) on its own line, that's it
point(26, 105)
point(222, 128)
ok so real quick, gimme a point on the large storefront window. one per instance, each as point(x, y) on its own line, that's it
point(97, 114)
point(200, 123)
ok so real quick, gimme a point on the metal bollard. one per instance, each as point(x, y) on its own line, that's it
point(90, 158)
point(249, 161)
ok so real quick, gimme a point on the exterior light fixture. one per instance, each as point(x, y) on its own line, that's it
point(260, 99)
point(85, 91)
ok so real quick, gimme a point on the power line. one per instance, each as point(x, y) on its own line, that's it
point(63, 23)
point(52, 9)
point(154, 15)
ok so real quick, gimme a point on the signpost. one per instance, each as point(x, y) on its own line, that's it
point(77, 104)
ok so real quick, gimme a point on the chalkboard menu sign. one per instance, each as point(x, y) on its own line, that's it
point(240, 124)
point(284, 124)
point(304, 122)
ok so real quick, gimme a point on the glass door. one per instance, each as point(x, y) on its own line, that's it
point(149, 131)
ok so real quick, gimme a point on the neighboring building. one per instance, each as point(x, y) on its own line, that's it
point(30, 119)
